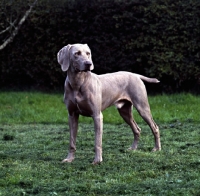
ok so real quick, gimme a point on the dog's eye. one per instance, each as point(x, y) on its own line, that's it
point(78, 53)
point(88, 54)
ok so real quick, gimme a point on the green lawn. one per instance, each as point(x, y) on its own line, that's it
point(34, 139)
point(33, 107)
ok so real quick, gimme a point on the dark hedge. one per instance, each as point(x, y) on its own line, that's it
point(157, 38)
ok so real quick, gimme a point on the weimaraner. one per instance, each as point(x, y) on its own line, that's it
point(89, 94)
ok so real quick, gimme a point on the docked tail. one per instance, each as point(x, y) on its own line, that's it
point(150, 80)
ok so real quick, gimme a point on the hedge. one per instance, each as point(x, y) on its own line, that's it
point(157, 38)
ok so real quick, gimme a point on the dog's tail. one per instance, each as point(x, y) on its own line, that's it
point(150, 80)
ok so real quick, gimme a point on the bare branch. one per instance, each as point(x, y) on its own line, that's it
point(8, 28)
point(15, 32)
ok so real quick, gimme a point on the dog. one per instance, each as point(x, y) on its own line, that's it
point(88, 94)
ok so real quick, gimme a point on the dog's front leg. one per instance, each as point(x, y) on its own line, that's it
point(98, 125)
point(73, 127)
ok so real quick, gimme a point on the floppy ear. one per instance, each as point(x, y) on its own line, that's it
point(92, 66)
point(63, 57)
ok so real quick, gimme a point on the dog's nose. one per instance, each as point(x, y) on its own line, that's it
point(88, 63)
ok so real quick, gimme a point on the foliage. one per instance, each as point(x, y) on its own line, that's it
point(156, 38)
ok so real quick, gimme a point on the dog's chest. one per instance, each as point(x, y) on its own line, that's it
point(82, 104)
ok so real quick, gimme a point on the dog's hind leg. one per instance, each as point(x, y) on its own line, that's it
point(145, 113)
point(125, 110)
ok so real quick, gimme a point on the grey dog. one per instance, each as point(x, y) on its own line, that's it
point(88, 94)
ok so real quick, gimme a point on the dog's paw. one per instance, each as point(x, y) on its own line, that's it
point(156, 149)
point(97, 161)
point(131, 148)
point(67, 160)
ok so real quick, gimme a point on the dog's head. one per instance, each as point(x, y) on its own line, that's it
point(76, 55)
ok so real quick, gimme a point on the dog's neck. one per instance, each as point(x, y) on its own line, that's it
point(77, 79)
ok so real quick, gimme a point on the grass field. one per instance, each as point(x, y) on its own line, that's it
point(34, 139)
point(33, 107)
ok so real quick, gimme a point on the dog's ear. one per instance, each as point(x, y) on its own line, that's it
point(63, 57)
point(92, 66)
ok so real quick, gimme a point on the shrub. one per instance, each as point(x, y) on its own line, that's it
point(158, 38)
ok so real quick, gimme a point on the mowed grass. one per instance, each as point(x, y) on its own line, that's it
point(34, 139)
point(35, 107)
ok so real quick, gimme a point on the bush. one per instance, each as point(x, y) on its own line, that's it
point(158, 38)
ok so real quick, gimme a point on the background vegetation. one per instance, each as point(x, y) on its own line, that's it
point(157, 38)
point(34, 138)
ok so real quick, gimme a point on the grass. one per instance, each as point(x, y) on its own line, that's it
point(34, 107)
point(34, 139)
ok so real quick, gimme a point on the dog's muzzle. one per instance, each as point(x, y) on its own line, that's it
point(87, 65)
point(84, 66)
